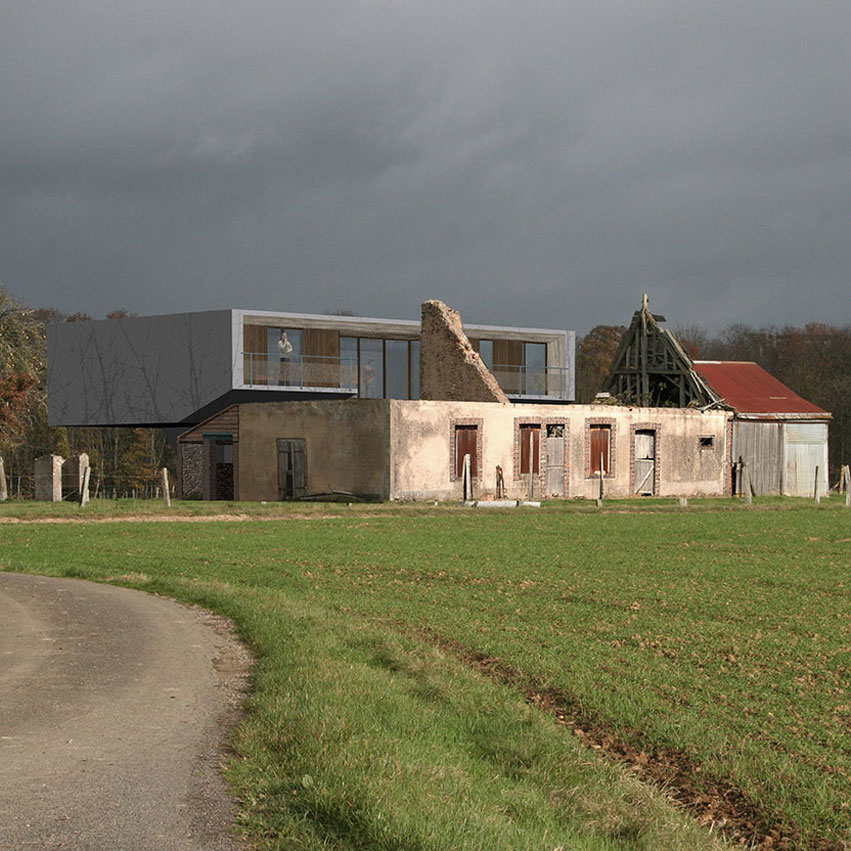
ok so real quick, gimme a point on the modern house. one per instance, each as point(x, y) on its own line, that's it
point(178, 369)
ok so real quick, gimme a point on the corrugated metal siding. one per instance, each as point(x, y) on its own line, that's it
point(806, 449)
point(759, 445)
point(806, 433)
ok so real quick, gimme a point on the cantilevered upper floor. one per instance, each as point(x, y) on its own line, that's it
point(180, 368)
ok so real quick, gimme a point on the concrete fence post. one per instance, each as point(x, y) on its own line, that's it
point(84, 487)
point(816, 494)
point(166, 495)
point(4, 493)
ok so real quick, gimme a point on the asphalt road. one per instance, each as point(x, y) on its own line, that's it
point(114, 706)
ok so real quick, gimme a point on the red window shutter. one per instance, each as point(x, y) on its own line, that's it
point(465, 444)
point(530, 449)
point(600, 447)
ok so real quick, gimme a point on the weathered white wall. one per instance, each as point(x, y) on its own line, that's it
point(421, 457)
point(137, 371)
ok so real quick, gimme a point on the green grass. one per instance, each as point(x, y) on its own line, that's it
point(719, 631)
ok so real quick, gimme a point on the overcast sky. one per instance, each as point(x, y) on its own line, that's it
point(530, 163)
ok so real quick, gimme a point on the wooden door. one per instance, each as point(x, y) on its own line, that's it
point(645, 462)
point(555, 459)
point(292, 468)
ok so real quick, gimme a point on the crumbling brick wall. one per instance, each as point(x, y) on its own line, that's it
point(450, 369)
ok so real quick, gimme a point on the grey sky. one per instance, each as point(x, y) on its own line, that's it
point(530, 163)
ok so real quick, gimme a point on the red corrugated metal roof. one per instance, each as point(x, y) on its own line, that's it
point(749, 389)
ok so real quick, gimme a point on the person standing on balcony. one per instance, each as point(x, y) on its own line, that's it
point(285, 349)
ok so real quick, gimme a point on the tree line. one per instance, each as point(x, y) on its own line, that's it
point(813, 360)
point(124, 461)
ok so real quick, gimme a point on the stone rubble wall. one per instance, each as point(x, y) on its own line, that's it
point(450, 368)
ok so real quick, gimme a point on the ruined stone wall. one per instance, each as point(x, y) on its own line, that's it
point(450, 369)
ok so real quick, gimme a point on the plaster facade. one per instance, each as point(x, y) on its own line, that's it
point(421, 449)
point(408, 449)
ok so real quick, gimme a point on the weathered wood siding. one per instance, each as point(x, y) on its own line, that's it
point(759, 445)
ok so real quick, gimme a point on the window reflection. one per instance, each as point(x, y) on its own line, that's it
point(396, 366)
point(415, 369)
point(535, 358)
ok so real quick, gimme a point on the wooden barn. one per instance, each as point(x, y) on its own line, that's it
point(779, 436)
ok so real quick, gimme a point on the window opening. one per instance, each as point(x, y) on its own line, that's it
point(707, 442)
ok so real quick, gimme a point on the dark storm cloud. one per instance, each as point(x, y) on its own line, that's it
point(527, 163)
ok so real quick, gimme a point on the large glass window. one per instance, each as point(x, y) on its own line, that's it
point(396, 365)
point(371, 368)
point(486, 352)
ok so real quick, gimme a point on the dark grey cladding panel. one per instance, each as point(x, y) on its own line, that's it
point(137, 371)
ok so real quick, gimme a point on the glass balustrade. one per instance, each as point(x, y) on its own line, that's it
point(341, 373)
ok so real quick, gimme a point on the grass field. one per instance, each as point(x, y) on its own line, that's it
point(451, 678)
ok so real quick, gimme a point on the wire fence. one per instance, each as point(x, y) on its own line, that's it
point(22, 486)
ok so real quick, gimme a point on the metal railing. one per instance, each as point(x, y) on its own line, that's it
point(550, 381)
point(301, 371)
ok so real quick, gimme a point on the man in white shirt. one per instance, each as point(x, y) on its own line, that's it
point(285, 349)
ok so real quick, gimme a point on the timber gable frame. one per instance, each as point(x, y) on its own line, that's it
point(651, 368)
